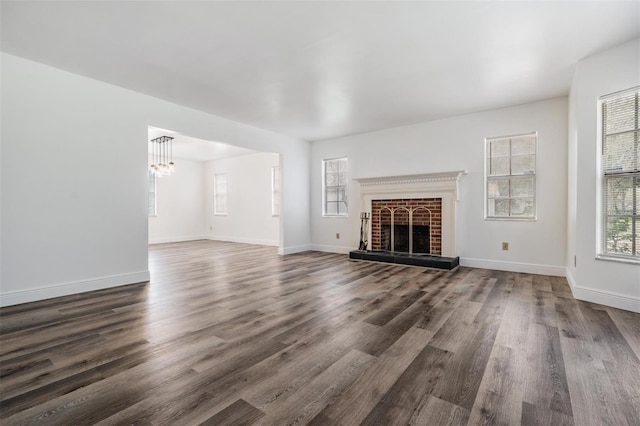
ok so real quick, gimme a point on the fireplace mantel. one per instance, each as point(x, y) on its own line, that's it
point(442, 185)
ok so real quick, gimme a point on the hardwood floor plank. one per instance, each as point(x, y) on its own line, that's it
point(412, 387)
point(438, 412)
point(237, 414)
point(546, 381)
point(499, 399)
point(355, 404)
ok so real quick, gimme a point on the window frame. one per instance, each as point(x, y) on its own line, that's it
point(217, 210)
point(345, 188)
point(602, 250)
point(510, 177)
point(276, 191)
point(152, 188)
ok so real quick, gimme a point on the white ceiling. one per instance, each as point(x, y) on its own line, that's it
point(197, 149)
point(315, 70)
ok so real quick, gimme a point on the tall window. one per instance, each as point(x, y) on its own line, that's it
point(275, 191)
point(621, 174)
point(220, 194)
point(153, 207)
point(511, 177)
point(334, 187)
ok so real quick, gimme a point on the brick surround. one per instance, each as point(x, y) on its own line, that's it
point(420, 217)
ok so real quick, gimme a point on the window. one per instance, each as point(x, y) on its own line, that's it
point(511, 177)
point(621, 174)
point(153, 207)
point(220, 194)
point(334, 185)
point(275, 191)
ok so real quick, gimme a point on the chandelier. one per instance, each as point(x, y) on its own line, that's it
point(162, 156)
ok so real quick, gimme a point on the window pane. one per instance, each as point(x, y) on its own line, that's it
point(332, 208)
point(331, 179)
point(620, 152)
point(342, 179)
point(522, 187)
point(637, 252)
point(331, 166)
point(523, 164)
point(523, 145)
point(499, 147)
point(619, 196)
point(619, 114)
point(619, 235)
point(342, 195)
point(499, 208)
point(332, 195)
point(522, 207)
point(498, 188)
point(499, 166)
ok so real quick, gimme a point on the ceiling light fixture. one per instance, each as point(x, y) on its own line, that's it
point(162, 156)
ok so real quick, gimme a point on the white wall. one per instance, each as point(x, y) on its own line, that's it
point(74, 179)
point(180, 204)
point(457, 143)
point(610, 283)
point(248, 218)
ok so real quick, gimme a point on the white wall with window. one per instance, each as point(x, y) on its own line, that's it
point(334, 187)
point(220, 192)
point(458, 143)
point(596, 192)
point(248, 216)
point(510, 175)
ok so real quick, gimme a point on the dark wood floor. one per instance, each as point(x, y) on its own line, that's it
point(235, 334)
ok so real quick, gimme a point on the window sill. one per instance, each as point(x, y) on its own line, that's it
point(344, 216)
point(220, 214)
point(618, 259)
point(513, 219)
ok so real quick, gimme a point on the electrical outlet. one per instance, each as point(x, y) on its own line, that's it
point(575, 261)
point(337, 235)
point(505, 245)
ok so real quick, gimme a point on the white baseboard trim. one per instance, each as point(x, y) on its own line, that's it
point(331, 249)
point(600, 297)
point(294, 249)
point(164, 240)
point(57, 290)
point(243, 240)
point(527, 268)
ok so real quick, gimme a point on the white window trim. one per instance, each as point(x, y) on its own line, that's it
point(324, 191)
point(155, 194)
point(215, 194)
point(276, 191)
point(601, 238)
point(533, 218)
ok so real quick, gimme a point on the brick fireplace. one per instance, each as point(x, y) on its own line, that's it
point(436, 192)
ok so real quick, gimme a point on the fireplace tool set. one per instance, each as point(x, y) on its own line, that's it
point(364, 229)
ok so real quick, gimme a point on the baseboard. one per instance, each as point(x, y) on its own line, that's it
point(164, 240)
point(294, 249)
point(243, 240)
point(49, 292)
point(600, 297)
point(331, 249)
point(527, 268)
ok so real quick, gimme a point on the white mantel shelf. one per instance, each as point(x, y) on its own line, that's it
point(422, 177)
point(442, 185)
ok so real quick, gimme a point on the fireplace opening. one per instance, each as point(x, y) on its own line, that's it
point(401, 238)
